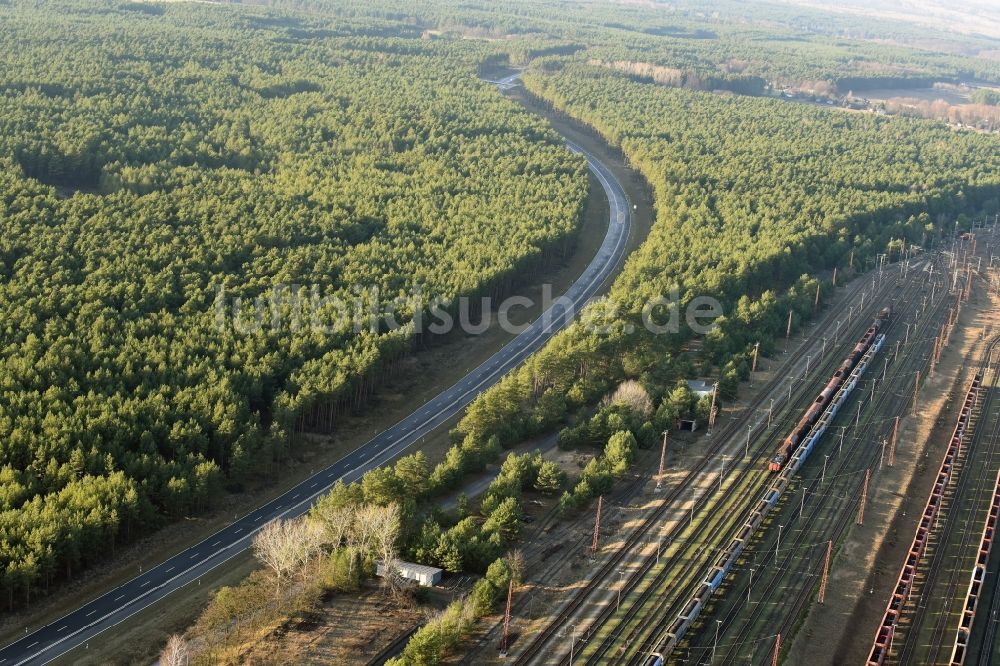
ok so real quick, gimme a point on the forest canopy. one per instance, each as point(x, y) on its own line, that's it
point(151, 154)
point(755, 197)
point(727, 44)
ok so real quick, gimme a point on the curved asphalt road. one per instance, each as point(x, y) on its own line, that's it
point(116, 606)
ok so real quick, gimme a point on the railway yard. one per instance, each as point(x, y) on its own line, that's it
point(943, 606)
point(723, 556)
point(520, 333)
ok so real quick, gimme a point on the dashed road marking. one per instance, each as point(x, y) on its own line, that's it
point(517, 348)
point(91, 612)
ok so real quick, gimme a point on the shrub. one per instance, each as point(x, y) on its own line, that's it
point(550, 479)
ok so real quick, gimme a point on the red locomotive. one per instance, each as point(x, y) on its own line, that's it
point(822, 401)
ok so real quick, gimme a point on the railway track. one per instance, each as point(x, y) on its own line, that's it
point(976, 589)
point(732, 428)
point(987, 644)
point(937, 605)
point(544, 558)
point(762, 446)
point(943, 621)
point(795, 573)
point(859, 437)
point(926, 521)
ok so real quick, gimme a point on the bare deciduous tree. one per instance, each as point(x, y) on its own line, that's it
point(633, 395)
point(336, 522)
point(381, 523)
point(175, 653)
point(666, 76)
point(362, 535)
point(285, 545)
point(516, 561)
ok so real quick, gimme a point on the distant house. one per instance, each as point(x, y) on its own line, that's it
point(423, 575)
point(700, 388)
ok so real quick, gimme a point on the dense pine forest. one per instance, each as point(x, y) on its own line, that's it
point(757, 199)
point(737, 45)
point(151, 155)
point(155, 155)
point(762, 193)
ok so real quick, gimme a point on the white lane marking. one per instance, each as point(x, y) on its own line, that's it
point(33, 645)
point(193, 555)
point(238, 530)
point(91, 612)
point(601, 273)
point(60, 628)
point(119, 598)
point(169, 570)
point(216, 544)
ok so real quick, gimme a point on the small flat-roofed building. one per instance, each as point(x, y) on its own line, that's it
point(700, 388)
point(686, 424)
point(423, 575)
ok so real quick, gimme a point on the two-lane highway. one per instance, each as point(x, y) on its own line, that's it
point(116, 606)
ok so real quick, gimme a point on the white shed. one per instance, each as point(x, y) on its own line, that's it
point(700, 387)
point(423, 575)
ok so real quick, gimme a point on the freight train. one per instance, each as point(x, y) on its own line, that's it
point(822, 401)
point(791, 459)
